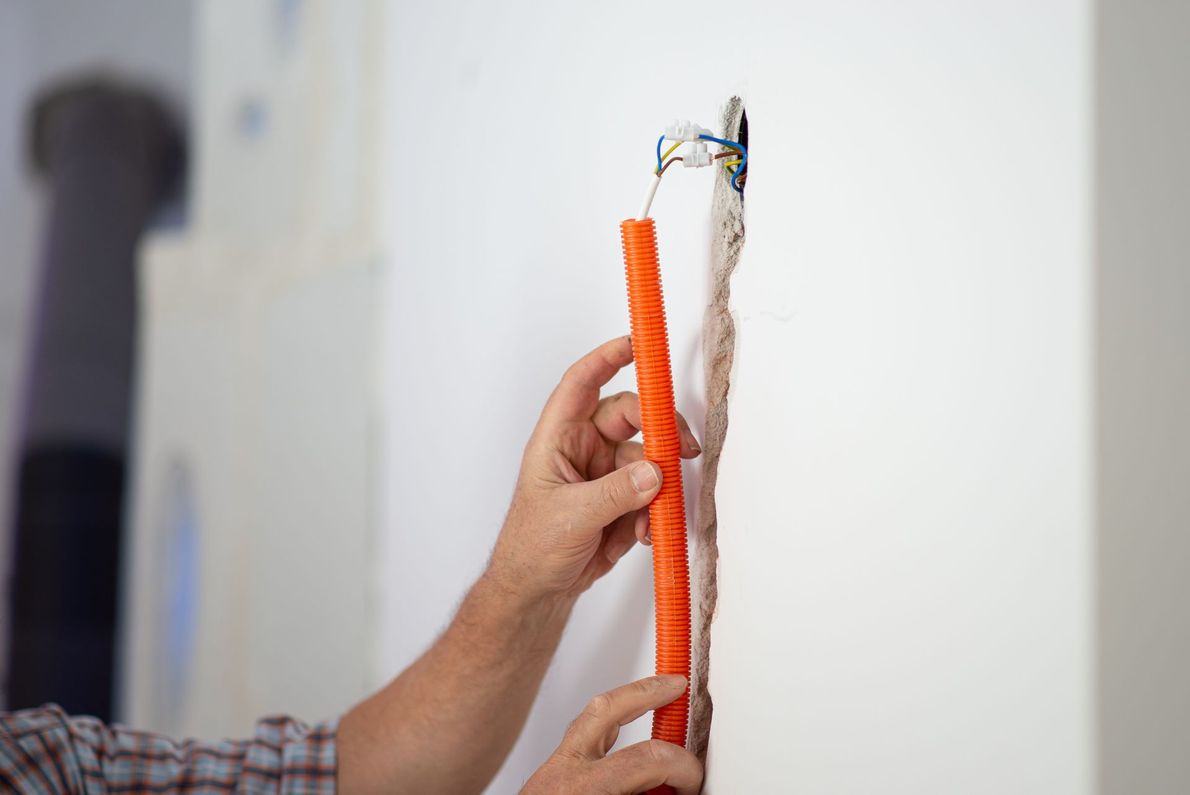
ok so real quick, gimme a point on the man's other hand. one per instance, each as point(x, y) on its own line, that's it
point(582, 765)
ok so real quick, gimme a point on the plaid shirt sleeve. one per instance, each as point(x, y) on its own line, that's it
point(44, 751)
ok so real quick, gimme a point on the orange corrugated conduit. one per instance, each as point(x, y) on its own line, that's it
point(667, 512)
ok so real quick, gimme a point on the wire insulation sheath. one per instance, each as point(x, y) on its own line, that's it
point(654, 181)
point(667, 512)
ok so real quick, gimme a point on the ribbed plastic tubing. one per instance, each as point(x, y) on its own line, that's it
point(667, 512)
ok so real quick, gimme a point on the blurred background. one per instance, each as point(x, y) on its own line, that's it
point(92, 129)
point(284, 283)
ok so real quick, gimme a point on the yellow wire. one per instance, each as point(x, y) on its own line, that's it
point(733, 162)
point(668, 152)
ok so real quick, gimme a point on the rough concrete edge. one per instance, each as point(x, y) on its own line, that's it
point(727, 223)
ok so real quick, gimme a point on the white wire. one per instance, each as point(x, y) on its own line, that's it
point(649, 194)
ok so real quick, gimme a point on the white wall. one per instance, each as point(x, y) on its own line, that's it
point(905, 600)
point(904, 528)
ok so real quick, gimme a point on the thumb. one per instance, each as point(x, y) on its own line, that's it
point(629, 488)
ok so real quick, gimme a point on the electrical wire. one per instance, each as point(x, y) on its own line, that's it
point(668, 152)
point(739, 170)
point(736, 151)
point(678, 159)
point(649, 194)
point(669, 163)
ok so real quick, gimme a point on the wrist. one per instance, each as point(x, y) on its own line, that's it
point(515, 593)
point(519, 626)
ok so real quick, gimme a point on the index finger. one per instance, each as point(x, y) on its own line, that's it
point(596, 730)
point(641, 767)
point(577, 394)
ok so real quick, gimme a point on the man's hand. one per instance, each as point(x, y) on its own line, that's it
point(448, 721)
point(581, 764)
point(583, 487)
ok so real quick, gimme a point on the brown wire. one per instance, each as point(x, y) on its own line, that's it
point(668, 163)
point(720, 156)
point(739, 180)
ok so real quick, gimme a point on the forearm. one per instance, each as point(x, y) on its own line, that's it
point(446, 724)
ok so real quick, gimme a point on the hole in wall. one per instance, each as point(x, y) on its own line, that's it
point(743, 139)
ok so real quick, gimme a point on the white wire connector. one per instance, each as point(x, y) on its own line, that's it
point(685, 130)
point(696, 155)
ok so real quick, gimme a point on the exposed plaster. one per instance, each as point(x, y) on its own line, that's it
point(727, 221)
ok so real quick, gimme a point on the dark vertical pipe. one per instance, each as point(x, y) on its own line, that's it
point(109, 155)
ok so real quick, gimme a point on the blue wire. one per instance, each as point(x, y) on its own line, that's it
point(738, 147)
point(738, 169)
point(732, 144)
point(743, 159)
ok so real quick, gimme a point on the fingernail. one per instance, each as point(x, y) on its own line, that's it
point(675, 680)
point(644, 476)
point(694, 445)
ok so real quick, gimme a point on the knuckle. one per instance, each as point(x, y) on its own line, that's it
point(572, 372)
point(569, 754)
point(646, 686)
point(610, 491)
point(599, 707)
point(574, 733)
